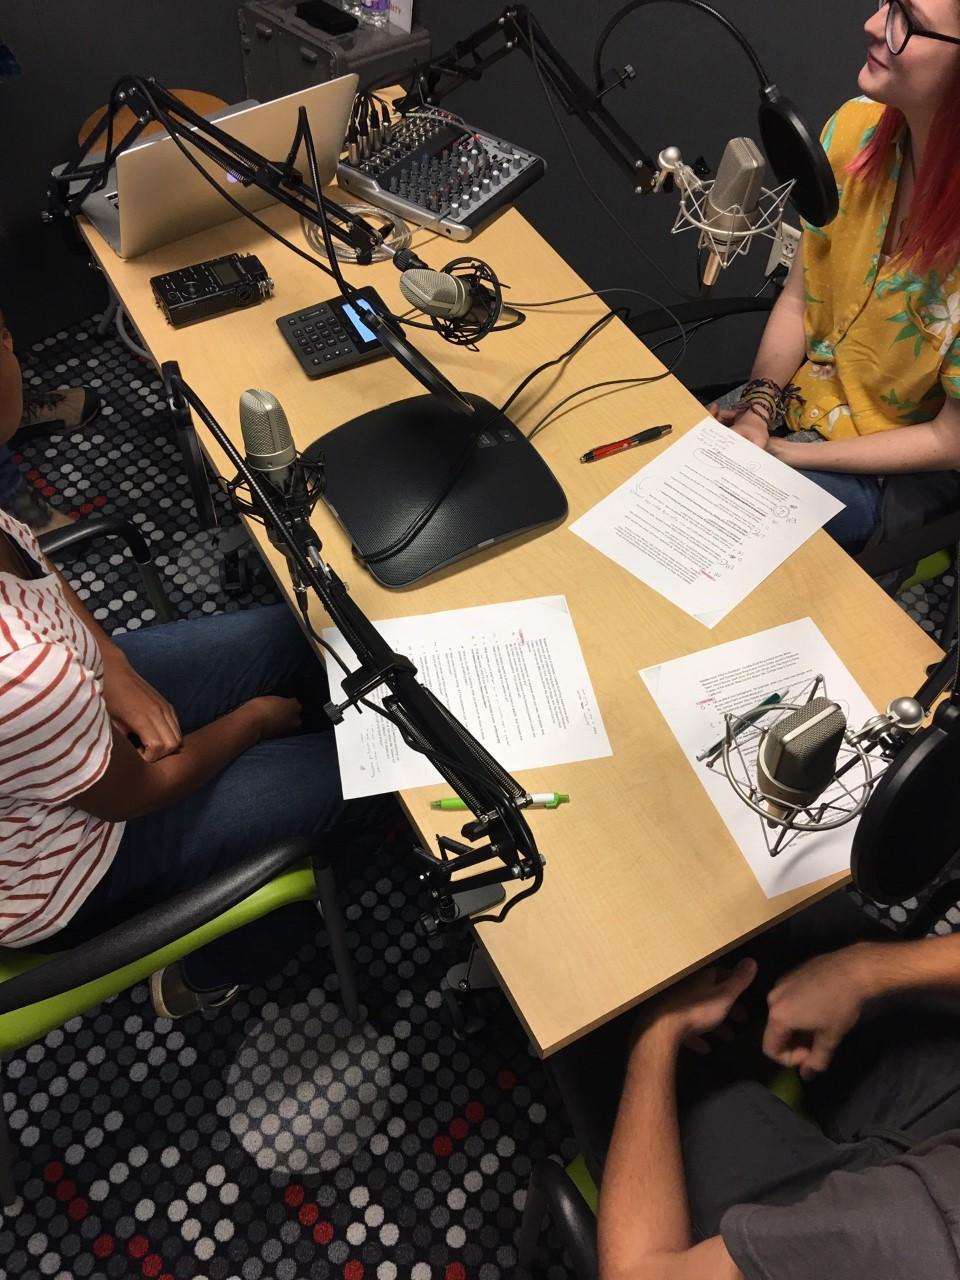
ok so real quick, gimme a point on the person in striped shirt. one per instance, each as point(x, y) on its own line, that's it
point(134, 768)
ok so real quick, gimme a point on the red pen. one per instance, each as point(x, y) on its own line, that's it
point(631, 442)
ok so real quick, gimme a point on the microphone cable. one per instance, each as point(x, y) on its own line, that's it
point(394, 234)
point(622, 383)
point(456, 470)
point(647, 257)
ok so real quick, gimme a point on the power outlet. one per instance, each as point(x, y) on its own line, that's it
point(784, 248)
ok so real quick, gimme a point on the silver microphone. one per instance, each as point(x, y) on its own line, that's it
point(797, 760)
point(267, 440)
point(436, 293)
point(731, 205)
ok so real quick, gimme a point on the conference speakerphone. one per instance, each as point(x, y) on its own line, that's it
point(333, 335)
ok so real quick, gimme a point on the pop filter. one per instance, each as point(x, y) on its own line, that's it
point(795, 154)
point(908, 832)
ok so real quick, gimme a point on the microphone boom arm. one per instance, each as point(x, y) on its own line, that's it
point(151, 101)
point(518, 28)
point(425, 724)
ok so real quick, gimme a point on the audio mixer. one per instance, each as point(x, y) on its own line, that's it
point(434, 170)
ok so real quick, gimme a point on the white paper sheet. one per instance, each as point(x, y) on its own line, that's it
point(695, 692)
point(513, 673)
point(707, 520)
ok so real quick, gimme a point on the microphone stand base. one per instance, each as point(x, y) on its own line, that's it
point(464, 981)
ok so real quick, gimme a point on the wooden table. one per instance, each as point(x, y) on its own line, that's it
point(643, 883)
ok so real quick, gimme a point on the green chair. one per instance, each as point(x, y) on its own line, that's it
point(41, 992)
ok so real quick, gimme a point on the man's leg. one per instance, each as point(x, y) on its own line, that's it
point(743, 1145)
point(897, 1073)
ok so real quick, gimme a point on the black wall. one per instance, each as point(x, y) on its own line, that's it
point(694, 87)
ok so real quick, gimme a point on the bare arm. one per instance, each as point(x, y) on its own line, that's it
point(782, 348)
point(927, 446)
point(812, 1008)
point(644, 1223)
point(131, 786)
point(134, 705)
point(783, 345)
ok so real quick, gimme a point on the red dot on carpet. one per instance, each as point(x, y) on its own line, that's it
point(103, 1246)
point(78, 1209)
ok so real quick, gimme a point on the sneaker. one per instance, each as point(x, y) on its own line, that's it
point(37, 514)
point(59, 410)
point(172, 998)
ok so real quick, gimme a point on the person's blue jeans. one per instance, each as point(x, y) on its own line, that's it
point(861, 496)
point(12, 480)
point(289, 786)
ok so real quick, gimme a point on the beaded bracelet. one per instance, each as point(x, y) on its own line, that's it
point(768, 398)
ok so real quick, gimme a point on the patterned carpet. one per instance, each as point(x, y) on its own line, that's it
point(272, 1139)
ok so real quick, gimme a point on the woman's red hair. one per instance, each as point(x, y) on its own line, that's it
point(932, 241)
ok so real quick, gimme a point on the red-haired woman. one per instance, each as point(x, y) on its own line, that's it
point(864, 341)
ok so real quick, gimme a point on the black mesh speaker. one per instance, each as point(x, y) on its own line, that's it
point(417, 485)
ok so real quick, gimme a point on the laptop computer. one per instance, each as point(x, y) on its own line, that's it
point(154, 195)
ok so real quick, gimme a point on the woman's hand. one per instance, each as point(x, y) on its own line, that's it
point(752, 426)
point(726, 417)
point(276, 717)
point(136, 708)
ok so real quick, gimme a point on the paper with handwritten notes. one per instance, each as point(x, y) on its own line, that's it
point(707, 520)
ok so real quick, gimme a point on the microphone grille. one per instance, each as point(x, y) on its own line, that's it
point(263, 423)
point(738, 184)
point(801, 749)
point(431, 291)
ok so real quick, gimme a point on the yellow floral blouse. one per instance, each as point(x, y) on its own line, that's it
point(882, 344)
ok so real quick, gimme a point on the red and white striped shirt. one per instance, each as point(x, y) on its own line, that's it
point(55, 741)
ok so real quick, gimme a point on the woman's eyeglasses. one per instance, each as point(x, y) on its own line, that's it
point(901, 26)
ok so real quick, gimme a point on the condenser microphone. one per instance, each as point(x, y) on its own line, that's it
point(436, 293)
point(267, 440)
point(463, 300)
point(731, 205)
point(797, 760)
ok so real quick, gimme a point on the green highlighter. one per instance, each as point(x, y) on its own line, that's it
point(536, 800)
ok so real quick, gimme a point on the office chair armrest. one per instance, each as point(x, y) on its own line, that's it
point(94, 527)
point(693, 312)
point(553, 1191)
point(885, 557)
point(153, 929)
